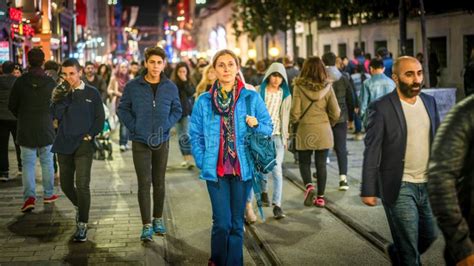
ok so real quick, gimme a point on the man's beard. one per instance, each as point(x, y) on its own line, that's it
point(407, 89)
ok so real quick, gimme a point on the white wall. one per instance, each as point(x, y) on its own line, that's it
point(454, 26)
point(301, 40)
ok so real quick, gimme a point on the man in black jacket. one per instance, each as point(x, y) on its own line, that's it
point(80, 114)
point(343, 90)
point(7, 121)
point(450, 182)
point(29, 102)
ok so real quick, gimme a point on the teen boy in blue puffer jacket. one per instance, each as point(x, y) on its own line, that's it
point(149, 108)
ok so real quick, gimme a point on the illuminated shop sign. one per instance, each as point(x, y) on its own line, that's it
point(15, 14)
point(4, 51)
point(22, 29)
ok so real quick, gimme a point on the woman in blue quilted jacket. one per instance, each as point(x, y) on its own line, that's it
point(219, 123)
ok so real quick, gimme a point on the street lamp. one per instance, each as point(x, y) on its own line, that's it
point(236, 51)
point(252, 53)
point(274, 52)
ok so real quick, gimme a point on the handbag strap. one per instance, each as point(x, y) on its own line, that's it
point(306, 110)
point(323, 93)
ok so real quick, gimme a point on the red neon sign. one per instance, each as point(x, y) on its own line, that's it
point(28, 30)
point(15, 14)
point(22, 29)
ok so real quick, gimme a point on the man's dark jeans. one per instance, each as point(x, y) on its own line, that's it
point(412, 223)
point(77, 191)
point(7, 127)
point(150, 166)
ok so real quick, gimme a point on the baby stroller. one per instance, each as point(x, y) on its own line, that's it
point(102, 141)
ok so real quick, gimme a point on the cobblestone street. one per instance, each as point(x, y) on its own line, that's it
point(42, 237)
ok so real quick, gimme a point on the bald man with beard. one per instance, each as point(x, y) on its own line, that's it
point(401, 127)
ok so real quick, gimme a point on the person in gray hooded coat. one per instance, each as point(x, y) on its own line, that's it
point(276, 94)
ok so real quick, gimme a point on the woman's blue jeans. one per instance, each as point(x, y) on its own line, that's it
point(228, 198)
point(182, 128)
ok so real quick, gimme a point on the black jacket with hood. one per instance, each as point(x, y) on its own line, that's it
point(6, 84)
point(343, 90)
point(29, 102)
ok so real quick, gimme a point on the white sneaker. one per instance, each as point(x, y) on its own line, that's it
point(343, 185)
point(123, 148)
point(359, 136)
point(191, 166)
point(184, 164)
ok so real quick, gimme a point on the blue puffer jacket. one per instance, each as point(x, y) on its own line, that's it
point(149, 117)
point(205, 129)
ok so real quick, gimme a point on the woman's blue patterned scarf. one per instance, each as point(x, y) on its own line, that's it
point(223, 104)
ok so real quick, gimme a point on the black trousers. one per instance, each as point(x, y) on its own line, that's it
point(320, 163)
point(150, 166)
point(339, 132)
point(7, 127)
point(77, 189)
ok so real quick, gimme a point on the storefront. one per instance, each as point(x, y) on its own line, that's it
point(20, 35)
point(5, 41)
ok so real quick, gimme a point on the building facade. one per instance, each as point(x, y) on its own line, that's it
point(450, 36)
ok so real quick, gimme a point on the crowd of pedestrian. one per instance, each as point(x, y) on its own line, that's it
point(63, 113)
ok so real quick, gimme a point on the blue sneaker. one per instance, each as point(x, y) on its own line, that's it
point(159, 226)
point(81, 233)
point(147, 233)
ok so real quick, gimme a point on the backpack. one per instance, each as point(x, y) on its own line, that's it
point(261, 147)
point(355, 61)
point(365, 65)
point(262, 155)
